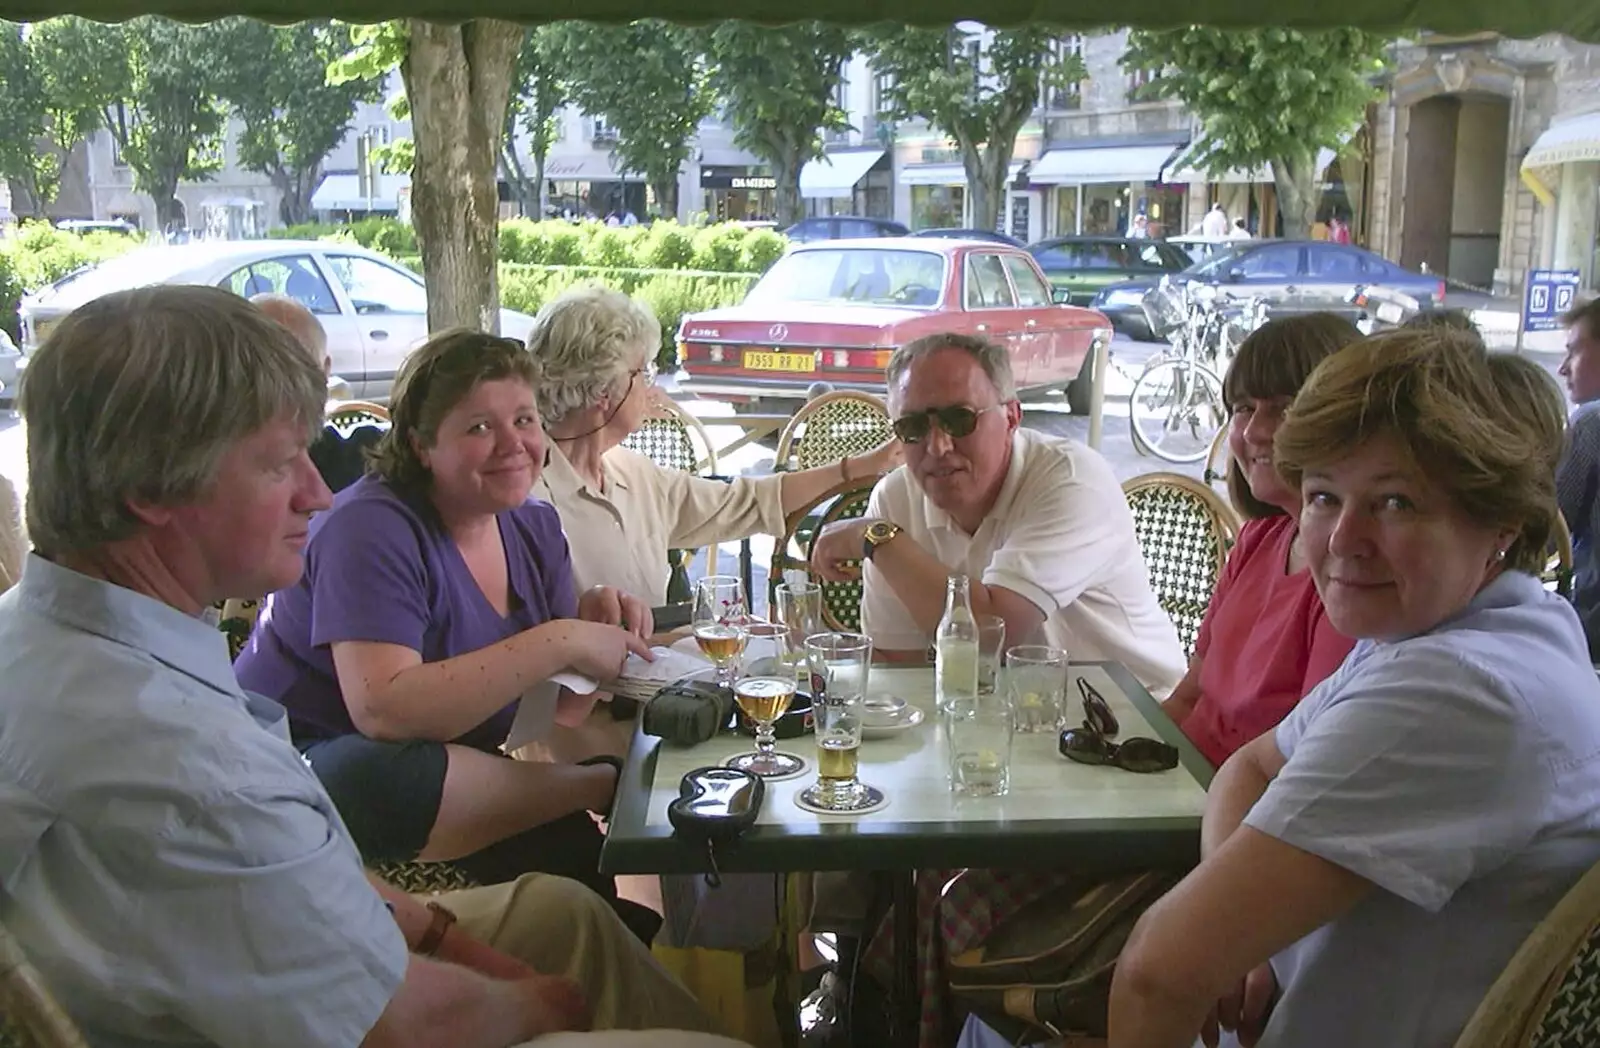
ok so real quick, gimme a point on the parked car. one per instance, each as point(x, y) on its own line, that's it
point(841, 227)
point(81, 226)
point(835, 312)
point(374, 310)
point(1082, 265)
point(988, 236)
point(1292, 276)
point(9, 358)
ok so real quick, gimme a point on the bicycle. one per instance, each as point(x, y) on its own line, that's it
point(1176, 409)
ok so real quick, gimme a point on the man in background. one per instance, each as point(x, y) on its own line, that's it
point(1578, 476)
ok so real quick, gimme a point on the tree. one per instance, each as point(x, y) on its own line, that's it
point(648, 80)
point(977, 91)
point(153, 83)
point(780, 86)
point(458, 82)
point(22, 119)
point(539, 91)
point(1266, 97)
point(275, 80)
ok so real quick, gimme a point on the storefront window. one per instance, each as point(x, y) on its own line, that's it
point(1163, 206)
point(936, 207)
point(1066, 211)
point(1105, 209)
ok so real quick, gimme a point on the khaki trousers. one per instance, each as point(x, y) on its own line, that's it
point(559, 927)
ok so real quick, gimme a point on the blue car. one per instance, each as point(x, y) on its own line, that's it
point(1293, 276)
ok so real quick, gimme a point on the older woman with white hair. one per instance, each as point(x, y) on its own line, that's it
point(622, 512)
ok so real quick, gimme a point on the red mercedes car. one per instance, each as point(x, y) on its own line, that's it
point(834, 311)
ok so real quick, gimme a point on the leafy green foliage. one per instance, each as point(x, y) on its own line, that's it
point(780, 87)
point(539, 90)
point(40, 254)
point(375, 51)
point(22, 118)
point(1266, 97)
point(648, 80)
point(979, 88)
point(275, 79)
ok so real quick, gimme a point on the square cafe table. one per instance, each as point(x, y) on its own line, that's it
point(1057, 813)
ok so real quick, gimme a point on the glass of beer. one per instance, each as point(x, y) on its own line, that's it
point(719, 623)
point(764, 699)
point(839, 663)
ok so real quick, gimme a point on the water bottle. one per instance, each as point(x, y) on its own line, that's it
point(955, 674)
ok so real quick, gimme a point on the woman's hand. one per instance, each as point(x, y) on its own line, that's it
point(613, 607)
point(882, 459)
point(598, 650)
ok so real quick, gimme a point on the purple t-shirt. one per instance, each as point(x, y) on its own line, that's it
point(380, 567)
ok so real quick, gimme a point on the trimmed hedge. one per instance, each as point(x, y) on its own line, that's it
point(41, 254)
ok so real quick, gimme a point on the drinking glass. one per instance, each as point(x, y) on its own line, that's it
point(764, 699)
point(979, 732)
point(719, 623)
point(1036, 683)
point(839, 663)
point(991, 643)
point(799, 609)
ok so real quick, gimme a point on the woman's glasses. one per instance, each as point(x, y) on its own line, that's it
point(958, 421)
point(1091, 743)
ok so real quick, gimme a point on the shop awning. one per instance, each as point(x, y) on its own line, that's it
point(836, 174)
point(1092, 164)
point(591, 168)
point(1570, 141)
point(343, 193)
point(1182, 168)
point(945, 174)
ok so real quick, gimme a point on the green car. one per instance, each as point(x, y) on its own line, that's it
point(1081, 266)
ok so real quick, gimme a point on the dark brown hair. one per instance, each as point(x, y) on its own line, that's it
point(1587, 314)
point(436, 377)
point(1275, 361)
point(1482, 429)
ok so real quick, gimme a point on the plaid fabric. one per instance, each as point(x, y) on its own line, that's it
point(956, 911)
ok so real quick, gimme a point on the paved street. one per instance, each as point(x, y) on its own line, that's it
point(1052, 416)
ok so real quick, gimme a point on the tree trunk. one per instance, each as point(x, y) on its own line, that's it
point(516, 175)
point(666, 191)
point(786, 170)
point(458, 79)
point(1295, 179)
point(168, 210)
point(294, 193)
point(538, 180)
point(986, 169)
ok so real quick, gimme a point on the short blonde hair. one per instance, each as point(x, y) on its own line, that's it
point(437, 376)
point(1480, 430)
point(584, 342)
point(137, 395)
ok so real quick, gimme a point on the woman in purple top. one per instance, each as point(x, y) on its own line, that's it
point(435, 596)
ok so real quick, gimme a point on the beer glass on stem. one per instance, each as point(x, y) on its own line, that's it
point(764, 692)
point(719, 623)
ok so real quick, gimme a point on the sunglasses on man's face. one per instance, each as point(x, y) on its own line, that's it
point(958, 421)
point(1091, 743)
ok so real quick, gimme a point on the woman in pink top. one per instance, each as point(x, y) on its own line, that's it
point(1265, 641)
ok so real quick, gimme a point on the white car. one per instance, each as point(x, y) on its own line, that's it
point(374, 310)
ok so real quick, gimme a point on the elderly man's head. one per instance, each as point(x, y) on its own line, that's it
point(167, 436)
point(302, 324)
point(954, 404)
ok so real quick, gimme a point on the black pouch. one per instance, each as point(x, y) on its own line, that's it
point(687, 712)
point(714, 807)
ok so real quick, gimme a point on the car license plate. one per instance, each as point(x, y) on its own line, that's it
point(761, 360)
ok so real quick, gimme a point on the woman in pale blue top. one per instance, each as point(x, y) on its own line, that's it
point(1371, 866)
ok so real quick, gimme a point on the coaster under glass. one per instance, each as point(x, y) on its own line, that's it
point(868, 799)
point(775, 766)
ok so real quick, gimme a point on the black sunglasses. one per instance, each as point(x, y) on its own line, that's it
point(958, 421)
point(1091, 743)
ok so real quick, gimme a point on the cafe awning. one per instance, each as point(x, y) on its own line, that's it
point(1089, 165)
point(1524, 19)
point(1570, 141)
point(836, 174)
point(1182, 168)
point(343, 193)
point(945, 174)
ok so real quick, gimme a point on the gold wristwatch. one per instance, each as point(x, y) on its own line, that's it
point(877, 533)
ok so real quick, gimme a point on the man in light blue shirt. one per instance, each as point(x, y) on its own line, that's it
point(167, 859)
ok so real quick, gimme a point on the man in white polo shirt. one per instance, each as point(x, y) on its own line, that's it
point(1039, 524)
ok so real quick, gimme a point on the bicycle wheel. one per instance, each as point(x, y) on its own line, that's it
point(1176, 411)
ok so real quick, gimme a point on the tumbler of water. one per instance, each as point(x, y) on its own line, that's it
point(979, 732)
point(1036, 685)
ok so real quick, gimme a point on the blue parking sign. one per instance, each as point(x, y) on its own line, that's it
point(1551, 293)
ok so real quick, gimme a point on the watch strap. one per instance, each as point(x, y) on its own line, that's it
point(431, 939)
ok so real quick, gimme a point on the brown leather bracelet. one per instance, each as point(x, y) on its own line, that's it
point(431, 939)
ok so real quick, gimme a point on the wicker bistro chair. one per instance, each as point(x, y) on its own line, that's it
point(831, 427)
point(238, 621)
point(841, 601)
point(349, 414)
point(1549, 994)
point(674, 439)
point(1185, 531)
point(1218, 459)
point(29, 1016)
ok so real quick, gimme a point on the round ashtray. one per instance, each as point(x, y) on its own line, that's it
point(883, 711)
